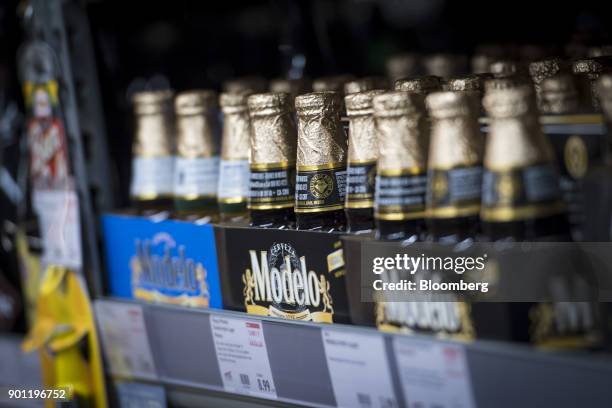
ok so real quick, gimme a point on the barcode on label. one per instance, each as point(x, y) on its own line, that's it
point(364, 400)
point(244, 379)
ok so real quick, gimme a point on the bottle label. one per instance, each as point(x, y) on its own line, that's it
point(522, 193)
point(360, 182)
point(320, 188)
point(400, 195)
point(152, 177)
point(233, 181)
point(272, 186)
point(196, 177)
point(454, 192)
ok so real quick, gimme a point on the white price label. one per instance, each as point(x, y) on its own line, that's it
point(243, 358)
point(234, 179)
point(124, 339)
point(152, 176)
point(196, 177)
point(433, 374)
point(359, 369)
point(60, 226)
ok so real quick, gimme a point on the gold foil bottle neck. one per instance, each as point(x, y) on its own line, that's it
point(196, 124)
point(515, 137)
point(402, 131)
point(589, 66)
point(604, 90)
point(505, 83)
point(321, 137)
point(456, 139)
point(365, 84)
point(445, 65)
point(236, 126)
point(472, 83)
point(247, 84)
point(402, 66)
point(540, 70)
point(273, 132)
point(419, 85)
point(293, 87)
point(559, 95)
point(362, 146)
point(154, 124)
point(331, 83)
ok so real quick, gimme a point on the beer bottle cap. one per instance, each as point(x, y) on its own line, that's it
point(589, 66)
point(360, 103)
point(233, 102)
point(397, 103)
point(235, 143)
point(540, 70)
point(151, 102)
point(362, 131)
point(365, 84)
point(195, 102)
point(559, 95)
point(269, 103)
point(471, 83)
point(419, 85)
point(443, 105)
point(509, 102)
point(402, 66)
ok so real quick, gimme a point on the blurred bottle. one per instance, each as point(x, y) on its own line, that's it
point(587, 72)
point(420, 85)
point(521, 199)
point(321, 162)
point(362, 156)
point(540, 70)
point(196, 173)
point(454, 167)
point(247, 84)
point(402, 132)
point(233, 189)
point(445, 65)
point(293, 87)
point(365, 84)
point(152, 184)
point(402, 66)
point(273, 151)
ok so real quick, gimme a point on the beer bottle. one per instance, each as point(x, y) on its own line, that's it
point(247, 84)
point(196, 170)
point(273, 150)
point(540, 70)
point(520, 197)
point(365, 84)
point(402, 133)
point(508, 68)
point(402, 66)
point(454, 166)
point(153, 151)
point(293, 87)
point(419, 85)
point(233, 189)
point(321, 162)
point(587, 72)
point(362, 156)
point(484, 56)
point(445, 65)
point(600, 51)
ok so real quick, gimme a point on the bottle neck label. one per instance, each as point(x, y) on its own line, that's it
point(521, 193)
point(272, 186)
point(360, 183)
point(320, 188)
point(233, 181)
point(400, 195)
point(152, 177)
point(196, 178)
point(454, 192)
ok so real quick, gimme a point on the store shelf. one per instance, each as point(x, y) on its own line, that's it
point(324, 365)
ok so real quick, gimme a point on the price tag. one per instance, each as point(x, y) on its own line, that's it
point(243, 358)
point(125, 341)
point(60, 226)
point(359, 369)
point(433, 374)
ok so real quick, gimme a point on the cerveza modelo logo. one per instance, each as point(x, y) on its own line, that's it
point(280, 284)
point(162, 272)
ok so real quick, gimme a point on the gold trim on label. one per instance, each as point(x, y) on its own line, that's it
point(413, 171)
point(361, 162)
point(256, 206)
point(456, 166)
point(193, 197)
point(232, 200)
point(452, 211)
point(505, 214)
point(594, 119)
point(155, 156)
point(359, 204)
point(326, 166)
point(151, 196)
point(319, 209)
point(272, 166)
point(400, 216)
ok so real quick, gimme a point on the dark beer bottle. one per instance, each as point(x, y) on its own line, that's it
point(454, 166)
point(273, 150)
point(521, 199)
point(321, 162)
point(402, 133)
point(233, 189)
point(152, 183)
point(196, 170)
point(362, 156)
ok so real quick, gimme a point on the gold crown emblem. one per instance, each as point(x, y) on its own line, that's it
point(321, 186)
